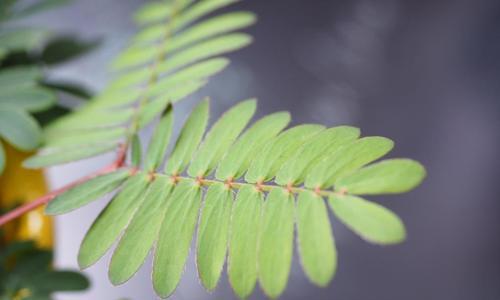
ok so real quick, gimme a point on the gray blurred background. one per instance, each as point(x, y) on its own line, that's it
point(424, 73)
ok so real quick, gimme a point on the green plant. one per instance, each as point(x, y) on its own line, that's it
point(26, 274)
point(252, 186)
point(28, 100)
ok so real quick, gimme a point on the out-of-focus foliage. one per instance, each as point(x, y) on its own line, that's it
point(27, 99)
point(26, 274)
point(179, 46)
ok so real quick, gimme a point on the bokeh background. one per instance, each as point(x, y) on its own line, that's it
point(424, 73)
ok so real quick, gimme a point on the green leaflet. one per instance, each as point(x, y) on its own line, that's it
point(55, 156)
point(243, 240)
point(198, 52)
point(347, 159)
point(238, 158)
point(210, 48)
point(276, 242)
point(89, 119)
point(112, 220)
point(314, 239)
point(141, 54)
point(92, 137)
point(86, 192)
point(134, 56)
point(175, 237)
point(19, 77)
point(213, 233)
point(111, 98)
point(138, 55)
point(3, 53)
point(371, 221)
point(19, 129)
point(198, 10)
point(390, 176)
point(159, 141)
point(212, 27)
point(324, 143)
point(153, 108)
point(267, 163)
point(199, 71)
point(142, 232)
point(136, 151)
point(177, 91)
point(33, 263)
point(32, 99)
point(160, 10)
point(131, 78)
point(153, 11)
point(60, 281)
point(206, 29)
point(188, 140)
point(220, 138)
point(22, 39)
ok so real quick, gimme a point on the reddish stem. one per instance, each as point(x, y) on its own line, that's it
point(21, 210)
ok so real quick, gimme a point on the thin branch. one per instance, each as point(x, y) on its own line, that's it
point(21, 210)
point(259, 186)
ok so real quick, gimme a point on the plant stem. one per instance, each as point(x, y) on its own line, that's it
point(21, 210)
point(260, 186)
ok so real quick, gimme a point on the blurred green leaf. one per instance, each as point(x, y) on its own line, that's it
point(70, 88)
point(22, 39)
point(64, 48)
point(55, 156)
point(33, 99)
point(59, 281)
point(26, 273)
point(48, 116)
point(19, 77)
point(19, 129)
point(136, 151)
